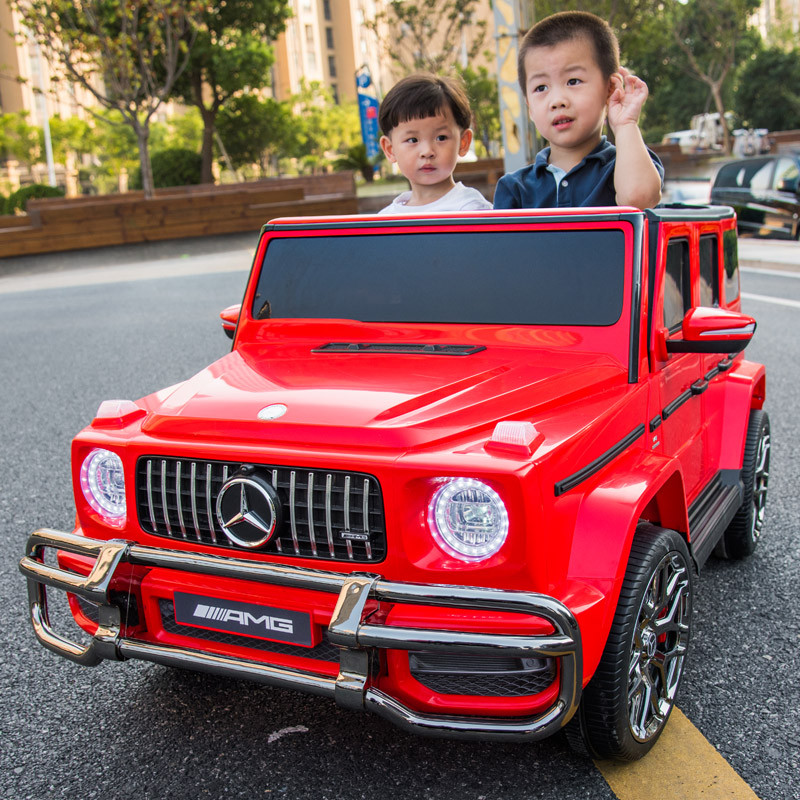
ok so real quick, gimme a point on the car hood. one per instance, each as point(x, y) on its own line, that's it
point(374, 400)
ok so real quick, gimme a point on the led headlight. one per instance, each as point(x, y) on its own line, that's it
point(468, 519)
point(103, 484)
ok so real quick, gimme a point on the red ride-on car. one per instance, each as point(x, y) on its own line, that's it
point(458, 470)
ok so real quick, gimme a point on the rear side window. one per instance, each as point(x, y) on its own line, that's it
point(786, 176)
point(677, 284)
point(709, 271)
point(753, 174)
point(730, 248)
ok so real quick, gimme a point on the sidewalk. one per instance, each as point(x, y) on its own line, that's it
point(769, 254)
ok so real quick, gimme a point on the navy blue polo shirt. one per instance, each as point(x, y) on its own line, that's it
point(590, 183)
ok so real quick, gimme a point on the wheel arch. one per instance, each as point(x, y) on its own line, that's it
point(745, 390)
point(648, 489)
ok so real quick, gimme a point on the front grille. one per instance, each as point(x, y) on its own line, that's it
point(325, 514)
point(324, 651)
point(486, 676)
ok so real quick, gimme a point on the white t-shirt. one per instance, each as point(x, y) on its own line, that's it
point(459, 198)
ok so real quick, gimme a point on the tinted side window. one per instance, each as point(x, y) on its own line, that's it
point(749, 174)
point(709, 271)
point(677, 286)
point(730, 249)
point(786, 176)
point(759, 178)
point(729, 176)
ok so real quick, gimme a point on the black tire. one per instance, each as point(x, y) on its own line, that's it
point(628, 701)
point(741, 537)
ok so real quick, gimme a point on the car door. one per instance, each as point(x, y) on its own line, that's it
point(681, 432)
point(784, 213)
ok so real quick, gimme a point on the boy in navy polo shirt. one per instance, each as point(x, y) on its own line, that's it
point(568, 66)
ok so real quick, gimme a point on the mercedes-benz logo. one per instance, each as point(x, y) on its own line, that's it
point(275, 411)
point(248, 511)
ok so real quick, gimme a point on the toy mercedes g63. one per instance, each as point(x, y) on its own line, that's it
point(457, 470)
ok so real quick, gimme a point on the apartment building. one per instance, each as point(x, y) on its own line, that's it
point(25, 77)
point(778, 21)
point(330, 40)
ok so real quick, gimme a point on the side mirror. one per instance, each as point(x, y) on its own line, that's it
point(713, 330)
point(230, 319)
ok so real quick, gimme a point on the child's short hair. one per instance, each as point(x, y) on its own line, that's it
point(423, 95)
point(565, 26)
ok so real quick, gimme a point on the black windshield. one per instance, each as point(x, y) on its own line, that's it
point(570, 277)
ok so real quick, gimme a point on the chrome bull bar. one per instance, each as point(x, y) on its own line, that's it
point(349, 628)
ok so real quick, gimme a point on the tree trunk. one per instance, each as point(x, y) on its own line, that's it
point(716, 93)
point(143, 140)
point(207, 151)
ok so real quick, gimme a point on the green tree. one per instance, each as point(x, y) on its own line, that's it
point(322, 127)
point(356, 158)
point(231, 53)
point(622, 15)
point(183, 131)
point(116, 149)
point(432, 35)
point(484, 101)
point(768, 94)
point(19, 139)
point(713, 37)
point(126, 54)
point(675, 94)
point(71, 135)
point(256, 131)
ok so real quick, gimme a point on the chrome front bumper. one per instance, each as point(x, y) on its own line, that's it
point(349, 629)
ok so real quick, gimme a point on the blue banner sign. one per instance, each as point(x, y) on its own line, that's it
point(370, 133)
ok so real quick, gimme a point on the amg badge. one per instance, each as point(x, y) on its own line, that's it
point(245, 619)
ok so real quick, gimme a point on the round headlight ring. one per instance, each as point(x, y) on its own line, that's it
point(468, 519)
point(103, 485)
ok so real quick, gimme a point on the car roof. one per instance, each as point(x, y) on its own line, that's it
point(671, 212)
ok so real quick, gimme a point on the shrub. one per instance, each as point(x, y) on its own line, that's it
point(18, 201)
point(175, 166)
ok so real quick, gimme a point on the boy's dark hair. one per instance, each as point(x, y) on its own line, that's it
point(565, 26)
point(423, 95)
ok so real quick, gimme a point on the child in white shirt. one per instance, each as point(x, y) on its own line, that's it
point(425, 121)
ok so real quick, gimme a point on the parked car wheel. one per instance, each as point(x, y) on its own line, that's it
point(742, 535)
point(627, 703)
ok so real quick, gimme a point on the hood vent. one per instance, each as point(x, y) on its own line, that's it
point(384, 347)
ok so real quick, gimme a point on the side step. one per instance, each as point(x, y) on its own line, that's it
point(711, 513)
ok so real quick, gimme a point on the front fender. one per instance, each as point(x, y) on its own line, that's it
point(642, 485)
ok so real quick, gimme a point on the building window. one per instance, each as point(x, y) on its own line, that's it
point(335, 93)
point(311, 54)
point(326, 10)
point(329, 38)
point(332, 66)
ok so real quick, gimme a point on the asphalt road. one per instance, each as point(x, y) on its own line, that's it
point(138, 730)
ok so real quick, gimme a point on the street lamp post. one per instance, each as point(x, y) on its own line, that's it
point(519, 146)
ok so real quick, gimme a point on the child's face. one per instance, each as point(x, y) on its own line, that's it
point(426, 150)
point(567, 95)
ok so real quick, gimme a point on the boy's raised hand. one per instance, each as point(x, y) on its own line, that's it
point(626, 100)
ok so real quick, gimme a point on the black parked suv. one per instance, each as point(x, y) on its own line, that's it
point(764, 192)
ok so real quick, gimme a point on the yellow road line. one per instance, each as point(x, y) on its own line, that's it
point(683, 765)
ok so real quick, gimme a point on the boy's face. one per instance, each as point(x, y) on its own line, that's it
point(567, 95)
point(426, 150)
